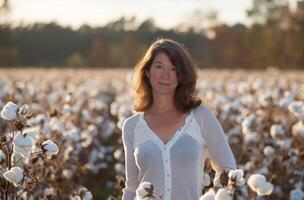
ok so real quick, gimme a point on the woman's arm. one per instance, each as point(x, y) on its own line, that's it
point(131, 169)
point(220, 154)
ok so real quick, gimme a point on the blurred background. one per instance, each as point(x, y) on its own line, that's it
point(219, 34)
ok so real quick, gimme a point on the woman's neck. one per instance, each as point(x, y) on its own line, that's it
point(162, 104)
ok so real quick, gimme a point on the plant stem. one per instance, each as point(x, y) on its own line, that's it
point(17, 161)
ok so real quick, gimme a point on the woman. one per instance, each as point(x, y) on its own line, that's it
point(167, 141)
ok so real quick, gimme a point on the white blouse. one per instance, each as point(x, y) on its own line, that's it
point(176, 168)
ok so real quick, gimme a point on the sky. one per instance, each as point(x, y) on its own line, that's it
point(166, 13)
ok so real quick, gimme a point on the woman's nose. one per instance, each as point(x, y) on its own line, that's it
point(165, 72)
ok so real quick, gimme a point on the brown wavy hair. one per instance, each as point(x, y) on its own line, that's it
point(186, 95)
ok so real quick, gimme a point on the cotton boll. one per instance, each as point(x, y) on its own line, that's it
point(259, 184)
point(34, 132)
point(87, 195)
point(119, 168)
point(68, 152)
point(206, 180)
point(72, 135)
point(235, 131)
point(294, 155)
point(268, 151)
point(222, 194)
point(247, 124)
point(210, 195)
point(108, 128)
point(145, 189)
point(56, 125)
point(286, 100)
point(252, 137)
point(23, 144)
point(237, 173)
point(237, 176)
point(86, 138)
point(50, 191)
point(298, 129)
point(265, 98)
point(92, 130)
point(85, 115)
point(67, 173)
point(296, 194)
point(14, 175)
point(118, 154)
point(97, 104)
point(49, 148)
point(84, 193)
point(265, 189)
point(9, 111)
point(297, 108)
point(114, 108)
point(256, 181)
point(97, 154)
point(284, 144)
point(276, 131)
point(66, 110)
point(95, 168)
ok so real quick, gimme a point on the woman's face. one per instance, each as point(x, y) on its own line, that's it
point(162, 75)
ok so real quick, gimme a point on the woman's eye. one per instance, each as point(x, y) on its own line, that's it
point(157, 66)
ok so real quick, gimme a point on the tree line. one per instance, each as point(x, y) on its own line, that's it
point(275, 38)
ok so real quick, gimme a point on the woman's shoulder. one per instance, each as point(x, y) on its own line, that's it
point(131, 121)
point(201, 109)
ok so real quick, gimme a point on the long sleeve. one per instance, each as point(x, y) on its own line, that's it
point(131, 169)
point(220, 154)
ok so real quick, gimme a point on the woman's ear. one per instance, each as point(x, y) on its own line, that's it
point(147, 74)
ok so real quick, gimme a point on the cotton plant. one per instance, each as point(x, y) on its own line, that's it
point(145, 191)
point(17, 147)
point(232, 180)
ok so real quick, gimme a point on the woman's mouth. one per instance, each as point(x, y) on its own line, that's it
point(166, 84)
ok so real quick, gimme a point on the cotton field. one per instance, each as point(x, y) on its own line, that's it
point(60, 132)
